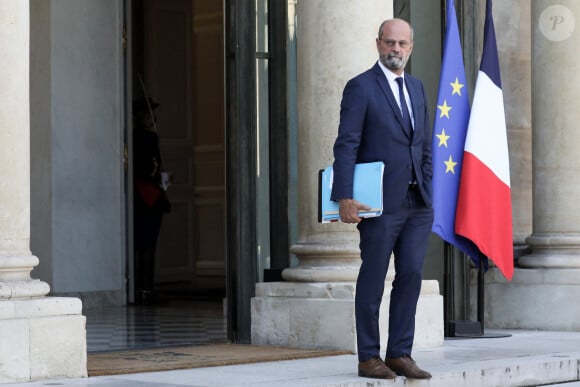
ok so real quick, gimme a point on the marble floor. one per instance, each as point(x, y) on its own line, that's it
point(172, 324)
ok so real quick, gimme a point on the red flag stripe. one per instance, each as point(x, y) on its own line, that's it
point(484, 203)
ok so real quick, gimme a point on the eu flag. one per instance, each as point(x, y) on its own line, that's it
point(449, 131)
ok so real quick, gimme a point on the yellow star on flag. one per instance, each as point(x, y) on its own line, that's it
point(442, 138)
point(456, 87)
point(450, 165)
point(444, 109)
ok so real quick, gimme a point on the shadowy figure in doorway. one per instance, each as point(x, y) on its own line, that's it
point(150, 199)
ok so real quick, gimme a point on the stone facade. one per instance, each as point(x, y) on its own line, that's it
point(313, 307)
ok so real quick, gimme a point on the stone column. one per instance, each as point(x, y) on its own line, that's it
point(315, 307)
point(555, 240)
point(549, 281)
point(16, 261)
point(334, 44)
point(39, 337)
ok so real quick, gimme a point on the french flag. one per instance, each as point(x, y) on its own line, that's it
point(484, 210)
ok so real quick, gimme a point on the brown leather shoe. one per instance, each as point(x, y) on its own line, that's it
point(375, 368)
point(407, 367)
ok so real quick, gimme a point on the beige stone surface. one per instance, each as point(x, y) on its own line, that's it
point(541, 298)
point(58, 347)
point(42, 338)
point(14, 350)
point(321, 315)
point(556, 165)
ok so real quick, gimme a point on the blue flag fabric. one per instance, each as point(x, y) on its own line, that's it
point(449, 131)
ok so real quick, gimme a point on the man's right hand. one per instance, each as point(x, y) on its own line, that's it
point(348, 210)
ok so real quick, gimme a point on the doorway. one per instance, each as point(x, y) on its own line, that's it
point(178, 60)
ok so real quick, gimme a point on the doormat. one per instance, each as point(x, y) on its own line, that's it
point(211, 355)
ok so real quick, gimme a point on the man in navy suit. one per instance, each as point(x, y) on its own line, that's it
point(384, 117)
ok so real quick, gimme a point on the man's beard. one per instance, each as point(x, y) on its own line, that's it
point(393, 62)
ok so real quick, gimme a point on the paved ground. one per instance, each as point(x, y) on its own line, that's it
point(523, 358)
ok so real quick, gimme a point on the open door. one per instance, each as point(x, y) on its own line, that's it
point(179, 56)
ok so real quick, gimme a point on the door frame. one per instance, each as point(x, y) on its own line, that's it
point(128, 148)
point(241, 155)
point(241, 149)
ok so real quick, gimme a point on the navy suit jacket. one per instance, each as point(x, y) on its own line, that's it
point(371, 129)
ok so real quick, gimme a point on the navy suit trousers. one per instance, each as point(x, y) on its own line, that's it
point(405, 233)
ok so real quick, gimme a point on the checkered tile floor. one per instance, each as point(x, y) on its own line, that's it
point(133, 327)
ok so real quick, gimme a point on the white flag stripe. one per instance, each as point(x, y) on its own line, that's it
point(486, 135)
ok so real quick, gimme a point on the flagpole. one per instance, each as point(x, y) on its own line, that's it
point(481, 294)
point(448, 288)
point(456, 328)
point(481, 301)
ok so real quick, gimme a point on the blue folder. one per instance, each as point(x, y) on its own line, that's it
point(368, 189)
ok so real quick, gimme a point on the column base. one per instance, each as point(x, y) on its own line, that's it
point(325, 258)
point(43, 338)
point(321, 315)
point(531, 300)
point(552, 251)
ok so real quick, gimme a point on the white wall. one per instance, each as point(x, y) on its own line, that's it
point(79, 143)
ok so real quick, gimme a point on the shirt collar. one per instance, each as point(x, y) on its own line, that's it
point(391, 76)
